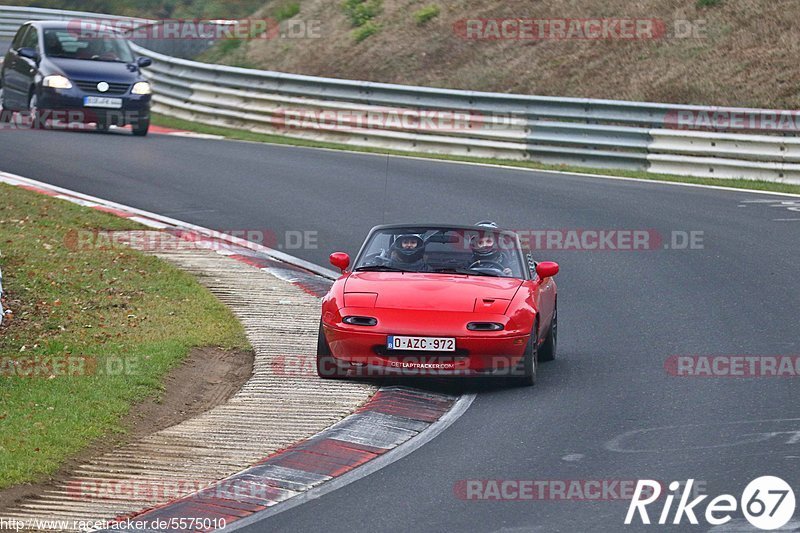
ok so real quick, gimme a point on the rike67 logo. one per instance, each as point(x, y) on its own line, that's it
point(767, 502)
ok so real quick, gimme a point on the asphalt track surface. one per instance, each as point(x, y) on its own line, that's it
point(622, 314)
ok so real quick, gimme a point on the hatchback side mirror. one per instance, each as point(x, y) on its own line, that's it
point(144, 62)
point(30, 53)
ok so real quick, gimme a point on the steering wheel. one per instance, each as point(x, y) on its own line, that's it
point(486, 265)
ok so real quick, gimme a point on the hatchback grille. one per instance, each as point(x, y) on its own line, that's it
point(113, 88)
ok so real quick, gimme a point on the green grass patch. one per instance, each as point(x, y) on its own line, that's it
point(118, 307)
point(360, 12)
point(365, 30)
point(287, 11)
point(243, 135)
point(707, 3)
point(421, 16)
point(226, 46)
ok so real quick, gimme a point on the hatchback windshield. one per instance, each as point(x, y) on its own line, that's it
point(479, 251)
point(100, 46)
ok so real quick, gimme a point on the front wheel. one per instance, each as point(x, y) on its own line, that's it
point(141, 127)
point(548, 349)
point(35, 114)
point(5, 113)
point(530, 361)
point(327, 366)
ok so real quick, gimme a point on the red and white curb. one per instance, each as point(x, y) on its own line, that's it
point(393, 423)
point(182, 133)
point(395, 416)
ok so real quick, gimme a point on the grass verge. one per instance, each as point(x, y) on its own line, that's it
point(244, 135)
point(128, 316)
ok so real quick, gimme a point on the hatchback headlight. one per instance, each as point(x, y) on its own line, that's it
point(141, 87)
point(57, 81)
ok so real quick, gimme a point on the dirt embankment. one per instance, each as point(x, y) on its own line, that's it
point(721, 52)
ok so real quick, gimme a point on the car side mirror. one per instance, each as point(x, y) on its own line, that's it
point(340, 260)
point(30, 53)
point(144, 62)
point(546, 269)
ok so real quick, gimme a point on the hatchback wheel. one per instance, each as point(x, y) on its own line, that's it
point(140, 127)
point(5, 114)
point(35, 113)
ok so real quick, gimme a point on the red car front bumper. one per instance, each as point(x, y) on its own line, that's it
point(362, 351)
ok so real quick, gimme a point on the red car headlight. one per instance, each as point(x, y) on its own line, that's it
point(360, 299)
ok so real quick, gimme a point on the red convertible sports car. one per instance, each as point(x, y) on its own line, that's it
point(439, 300)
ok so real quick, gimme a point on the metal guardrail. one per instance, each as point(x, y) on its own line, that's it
point(664, 138)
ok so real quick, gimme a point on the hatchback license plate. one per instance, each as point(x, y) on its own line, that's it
point(102, 101)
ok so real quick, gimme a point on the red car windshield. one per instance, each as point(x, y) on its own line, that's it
point(479, 251)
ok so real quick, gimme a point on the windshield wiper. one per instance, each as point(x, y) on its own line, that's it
point(381, 268)
point(465, 271)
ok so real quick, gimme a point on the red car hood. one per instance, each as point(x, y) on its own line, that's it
point(438, 292)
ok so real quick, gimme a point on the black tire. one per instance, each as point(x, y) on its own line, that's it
point(327, 367)
point(548, 350)
point(5, 113)
point(35, 114)
point(141, 127)
point(530, 362)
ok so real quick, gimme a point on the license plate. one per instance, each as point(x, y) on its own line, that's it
point(422, 344)
point(102, 101)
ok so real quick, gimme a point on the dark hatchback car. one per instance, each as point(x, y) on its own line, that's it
point(55, 70)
